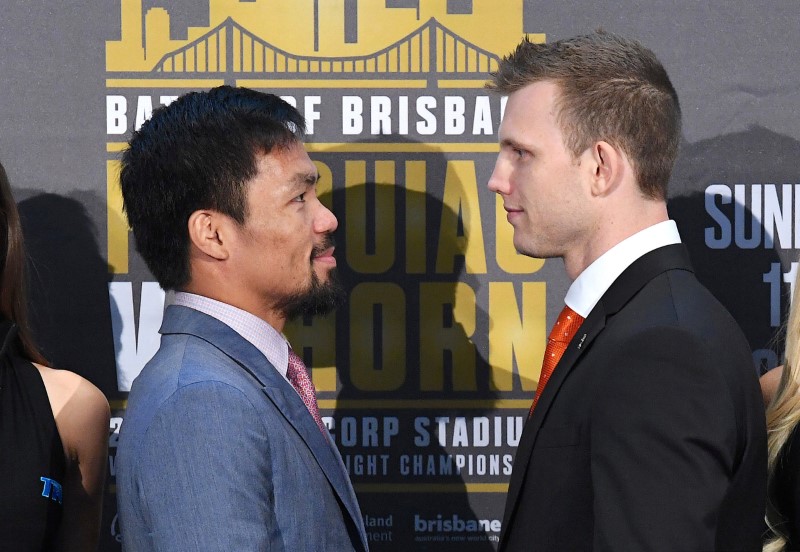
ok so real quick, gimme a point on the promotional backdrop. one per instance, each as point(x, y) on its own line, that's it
point(426, 374)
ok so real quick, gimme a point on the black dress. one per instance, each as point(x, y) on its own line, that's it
point(32, 463)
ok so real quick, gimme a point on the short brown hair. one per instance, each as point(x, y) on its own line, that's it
point(612, 89)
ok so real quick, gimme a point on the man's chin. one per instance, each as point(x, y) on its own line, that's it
point(535, 251)
point(323, 295)
point(324, 275)
point(527, 251)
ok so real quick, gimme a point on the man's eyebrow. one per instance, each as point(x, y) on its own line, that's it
point(509, 143)
point(306, 179)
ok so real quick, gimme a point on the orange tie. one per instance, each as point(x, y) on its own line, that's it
point(562, 333)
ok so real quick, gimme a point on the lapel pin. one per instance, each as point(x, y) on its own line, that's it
point(580, 343)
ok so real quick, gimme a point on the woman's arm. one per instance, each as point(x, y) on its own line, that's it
point(82, 417)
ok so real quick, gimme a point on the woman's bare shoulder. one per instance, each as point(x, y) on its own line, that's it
point(769, 383)
point(80, 409)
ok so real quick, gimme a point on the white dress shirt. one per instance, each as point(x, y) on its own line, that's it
point(594, 281)
point(261, 335)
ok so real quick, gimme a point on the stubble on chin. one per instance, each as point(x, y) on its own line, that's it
point(526, 248)
point(319, 297)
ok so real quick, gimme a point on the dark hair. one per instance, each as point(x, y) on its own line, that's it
point(198, 152)
point(611, 89)
point(13, 285)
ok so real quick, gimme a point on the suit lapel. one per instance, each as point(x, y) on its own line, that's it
point(178, 319)
point(586, 334)
point(636, 276)
point(322, 447)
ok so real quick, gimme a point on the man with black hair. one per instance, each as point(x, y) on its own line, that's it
point(223, 447)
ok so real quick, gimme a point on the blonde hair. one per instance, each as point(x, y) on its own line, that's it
point(783, 414)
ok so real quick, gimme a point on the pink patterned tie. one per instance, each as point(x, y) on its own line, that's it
point(297, 375)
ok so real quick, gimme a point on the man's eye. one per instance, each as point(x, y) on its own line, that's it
point(301, 198)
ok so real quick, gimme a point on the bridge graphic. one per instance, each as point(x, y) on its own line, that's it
point(432, 49)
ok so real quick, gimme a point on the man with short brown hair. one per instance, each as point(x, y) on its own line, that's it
point(647, 429)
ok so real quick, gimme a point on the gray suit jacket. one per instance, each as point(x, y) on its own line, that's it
point(218, 452)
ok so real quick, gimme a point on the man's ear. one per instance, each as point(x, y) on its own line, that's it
point(208, 232)
point(609, 168)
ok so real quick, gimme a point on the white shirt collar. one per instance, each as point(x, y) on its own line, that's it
point(261, 335)
point(594, 281)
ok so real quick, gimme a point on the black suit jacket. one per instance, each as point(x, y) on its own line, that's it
point(650, 434)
